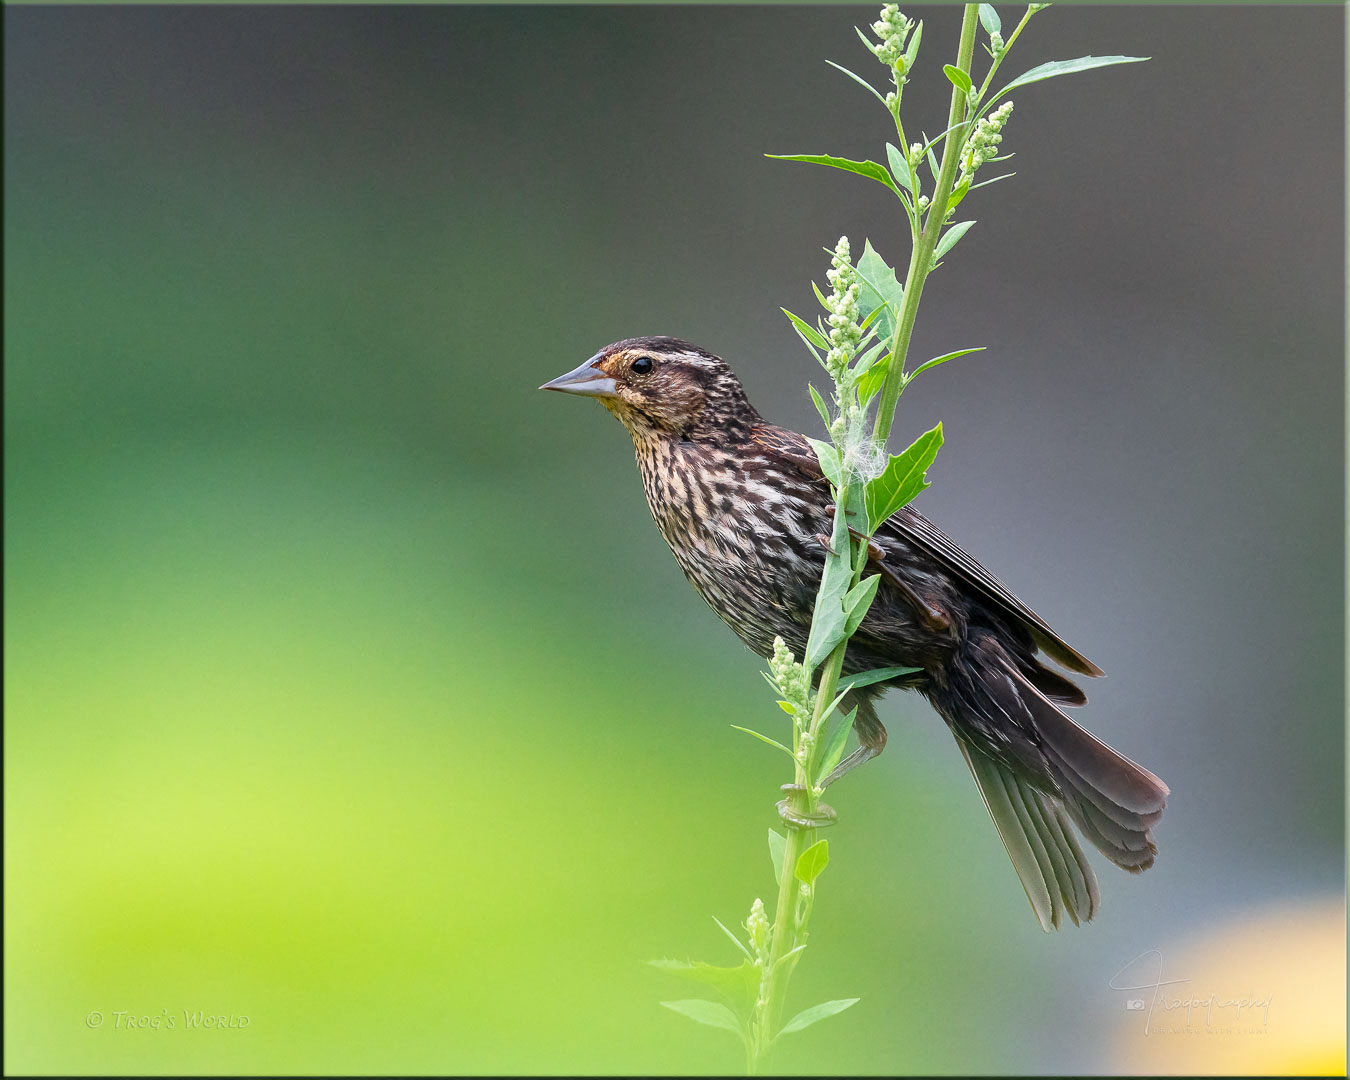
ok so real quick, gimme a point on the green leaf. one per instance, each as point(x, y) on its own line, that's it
point(881, 275)
point(707, 1012)
point(828, 457)
point(879, 287)
point(864, 362)
point(858, 600)
point(807, 1017)
point(777, 847)
point(834, 750)
point(930, 143)
point(819, 359)
point(876, 675)
point(958, 78)
point(900, 168)
point(813, 861)
point(903, 477)
point(943, 359)
point(737, 983)
point(820, 406)
point(788, 961)
point(765, 739)
point(821, 297)
point(994, 180)
point(1065, 67)
point(989, 19)
point(869, 169)
point(839, 697)
point(860, 81)
point(827, 617)
point(869, 385)
point(734, 939)
point(855, 510)
point(933, 166)
point(962, 189)
point(948, 239)
point(807, 331)
point(912, 51)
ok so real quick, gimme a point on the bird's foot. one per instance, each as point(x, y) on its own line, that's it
point(875, 553)
point(823, 816)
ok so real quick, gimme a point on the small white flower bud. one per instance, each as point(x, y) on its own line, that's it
point(757, 925)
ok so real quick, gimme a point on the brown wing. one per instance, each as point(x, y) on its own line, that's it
point(913, 528)
point(787, 445)
point(919, 531)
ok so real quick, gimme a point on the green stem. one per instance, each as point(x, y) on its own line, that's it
point(770, 1005)
point(921, 257)
point(787, 933)
point(1007, 47)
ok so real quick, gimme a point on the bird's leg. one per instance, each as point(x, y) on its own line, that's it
point(871, 734)
point(859, 756)
point(932, 619)
point(823, 817)
point(875, 552)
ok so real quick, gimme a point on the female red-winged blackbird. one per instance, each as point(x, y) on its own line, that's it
point(744, 507)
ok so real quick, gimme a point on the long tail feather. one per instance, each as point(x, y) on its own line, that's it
point(1052, 867)
point(1038, 771)
point(1115, 801)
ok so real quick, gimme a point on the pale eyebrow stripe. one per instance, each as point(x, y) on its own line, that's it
point(693, 359)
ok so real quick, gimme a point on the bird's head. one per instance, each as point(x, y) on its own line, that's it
point(660, 387)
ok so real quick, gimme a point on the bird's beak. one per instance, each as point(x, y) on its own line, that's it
point(587, 380)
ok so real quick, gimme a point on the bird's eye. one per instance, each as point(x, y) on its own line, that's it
point(643, 365)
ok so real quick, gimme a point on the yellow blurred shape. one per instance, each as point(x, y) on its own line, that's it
point(1285, 964)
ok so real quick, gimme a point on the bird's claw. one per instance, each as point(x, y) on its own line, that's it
point(875, 552)
point(823, 816)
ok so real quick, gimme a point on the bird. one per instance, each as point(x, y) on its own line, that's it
point(744, 507)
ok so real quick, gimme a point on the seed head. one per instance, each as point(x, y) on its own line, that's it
point(757, 926)
point(983, 142)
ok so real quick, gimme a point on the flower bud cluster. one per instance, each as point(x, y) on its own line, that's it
point(892, 28)
point(790, 678)
point(983, 142)
point(757, 926)
point(842, 303)
point(848, 431)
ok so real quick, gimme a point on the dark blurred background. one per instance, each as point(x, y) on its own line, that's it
point(350, 688)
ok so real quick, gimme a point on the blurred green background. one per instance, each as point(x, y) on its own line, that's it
point(349, 688)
